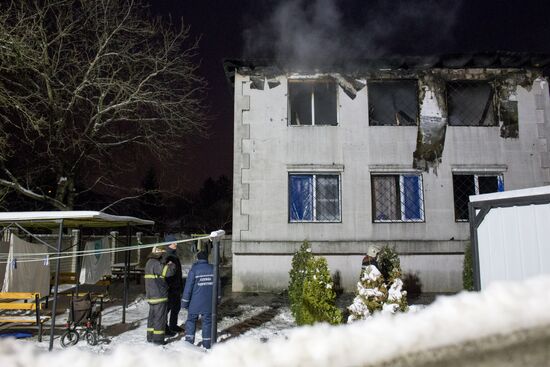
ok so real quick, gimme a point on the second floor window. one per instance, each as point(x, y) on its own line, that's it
point(314, 197)
point(393, 102)
point(397, 198)
point(312, 102)
point(470, 103)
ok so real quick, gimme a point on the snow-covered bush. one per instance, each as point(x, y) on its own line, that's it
point(370, 296)
point(319, 296)
point(297, 276)
point(310, 289)
point(379, 289)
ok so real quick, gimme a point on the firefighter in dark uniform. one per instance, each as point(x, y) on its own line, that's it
point(157, 269)
point(371, 258)
point(197, 298)
point(175, 287)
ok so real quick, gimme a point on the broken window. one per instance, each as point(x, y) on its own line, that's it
point(393, 102)
point(465, 185)
point(312, 102)
point(314, 198)
point(397, 198)
point(470, 103)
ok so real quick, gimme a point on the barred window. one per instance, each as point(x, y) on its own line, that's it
point(314, 198)
point(393, 102)
point(470, 103)
point(397, 198)
point(465, 185)
point(312, 102)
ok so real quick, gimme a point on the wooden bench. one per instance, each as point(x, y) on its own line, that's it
point(24, 302)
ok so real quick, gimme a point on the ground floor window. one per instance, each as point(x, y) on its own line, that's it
point(397, 198)
point(465, 185)
point(314, 198)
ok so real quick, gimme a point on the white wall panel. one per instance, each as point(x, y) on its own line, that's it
point(514, 243)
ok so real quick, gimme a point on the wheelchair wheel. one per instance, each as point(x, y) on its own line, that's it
point(69, 338)
point(91, 337)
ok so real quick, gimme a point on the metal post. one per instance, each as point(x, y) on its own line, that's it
point(126, 271)
point(216, 263)
point(474, 245)
point(56, 287)
point(78, 260)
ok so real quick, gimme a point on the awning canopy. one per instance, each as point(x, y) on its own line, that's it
point(77, 218)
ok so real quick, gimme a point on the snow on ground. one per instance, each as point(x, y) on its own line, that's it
point(502, 308)
point(136, 318)
point(280, 325)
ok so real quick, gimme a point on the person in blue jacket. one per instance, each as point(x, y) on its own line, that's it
point(197, 298)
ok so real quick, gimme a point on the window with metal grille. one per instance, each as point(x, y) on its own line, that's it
point(465, 185)
point(312, 102)
point(470, 103)
point(393, 102)
point(314, 198)
point(397, 198)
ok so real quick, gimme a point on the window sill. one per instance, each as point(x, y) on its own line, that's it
point(399, 221)
point(314, 222)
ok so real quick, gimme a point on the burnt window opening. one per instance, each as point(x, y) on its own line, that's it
point(397, 198)
point(470, 103)
point(465, 185)
point(393, 102)
point(312, 102)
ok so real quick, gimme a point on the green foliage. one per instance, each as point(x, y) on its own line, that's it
point(318, 295)
point(297, 277)
point(310, 289)
point(468, 269)
point(389, 264)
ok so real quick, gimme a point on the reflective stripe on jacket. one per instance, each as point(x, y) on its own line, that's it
point(156, 272)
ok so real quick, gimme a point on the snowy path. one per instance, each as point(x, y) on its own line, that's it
point(135, 328)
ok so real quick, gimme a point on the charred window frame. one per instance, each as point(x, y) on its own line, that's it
point(312, 102)
point(397, 198)
point(471, 103)
point(393, 102)
point(314, 198)
point(467, 184)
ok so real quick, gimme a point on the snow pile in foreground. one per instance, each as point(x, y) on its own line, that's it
point(502, 308)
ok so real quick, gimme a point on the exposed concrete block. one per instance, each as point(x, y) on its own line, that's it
point(543, 130)
point(542, 145)
point(539, 101)
point(540, 116)
point(245, 176)
point(245, 161)
point(247, 146)
point(245, 191)
point(243, 103)
point(545, 159)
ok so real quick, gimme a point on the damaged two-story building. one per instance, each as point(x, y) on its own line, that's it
point(382, 152)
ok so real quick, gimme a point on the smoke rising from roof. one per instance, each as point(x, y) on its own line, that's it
point(303, 33)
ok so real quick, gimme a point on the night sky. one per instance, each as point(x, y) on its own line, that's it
point(246, 29)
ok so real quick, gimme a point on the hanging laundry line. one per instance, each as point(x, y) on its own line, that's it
point(48, 256)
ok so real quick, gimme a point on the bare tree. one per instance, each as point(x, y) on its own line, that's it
point(82, 81)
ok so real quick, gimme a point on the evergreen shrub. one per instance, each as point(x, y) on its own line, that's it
point(311, 290)
point(468, 269)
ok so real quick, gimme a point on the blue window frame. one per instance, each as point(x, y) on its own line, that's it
point(397, 198)
point(314, 198)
